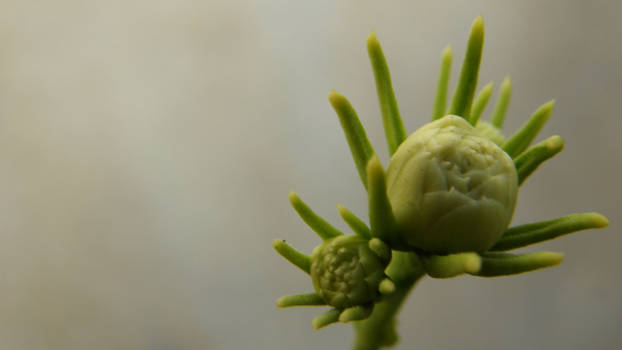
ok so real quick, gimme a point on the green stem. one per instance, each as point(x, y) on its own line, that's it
point(379, 329)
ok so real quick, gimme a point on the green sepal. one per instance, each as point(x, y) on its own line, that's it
point(525, 235)
point(314, 221)
point(504, 264)
point(518, 142)
point(391, 119)
point(300, 260)
point(440, 102)
point(465, 90)
point(355, 134)
point(527, 162)
point(452, 265)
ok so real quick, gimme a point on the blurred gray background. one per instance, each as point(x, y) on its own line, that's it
point(147, 149)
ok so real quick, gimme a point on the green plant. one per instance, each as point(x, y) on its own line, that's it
point(442, 208)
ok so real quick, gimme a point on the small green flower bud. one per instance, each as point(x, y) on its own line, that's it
point(451, 189)
point(346, 272)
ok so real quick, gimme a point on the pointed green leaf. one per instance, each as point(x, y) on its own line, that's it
point(301, 260)
point(355, 313)
point(440, 102)
point(527, 162)
point(360, 147)
point(452, 265)
point(380, 213)
point(516, 144)
point(465, 90)
point(325, 319)
point(391, 119)
point(300, 300)
point(524, 235)
point(503, 264)
point(502, 104)
point(480, 103)
point(315, 222)
point(357, 225)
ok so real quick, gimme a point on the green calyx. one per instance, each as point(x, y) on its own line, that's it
point(346, 272)
point(451, 189)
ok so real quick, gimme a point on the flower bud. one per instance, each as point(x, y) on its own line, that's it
point(346, 272)
point(451, 189)
point(489, 131)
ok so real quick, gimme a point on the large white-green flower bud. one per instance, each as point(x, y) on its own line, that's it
point(451, 189)
point(489, 131)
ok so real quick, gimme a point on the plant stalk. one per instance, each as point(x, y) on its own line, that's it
point(378, 330)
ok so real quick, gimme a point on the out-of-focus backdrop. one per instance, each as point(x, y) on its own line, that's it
point(147, 149)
